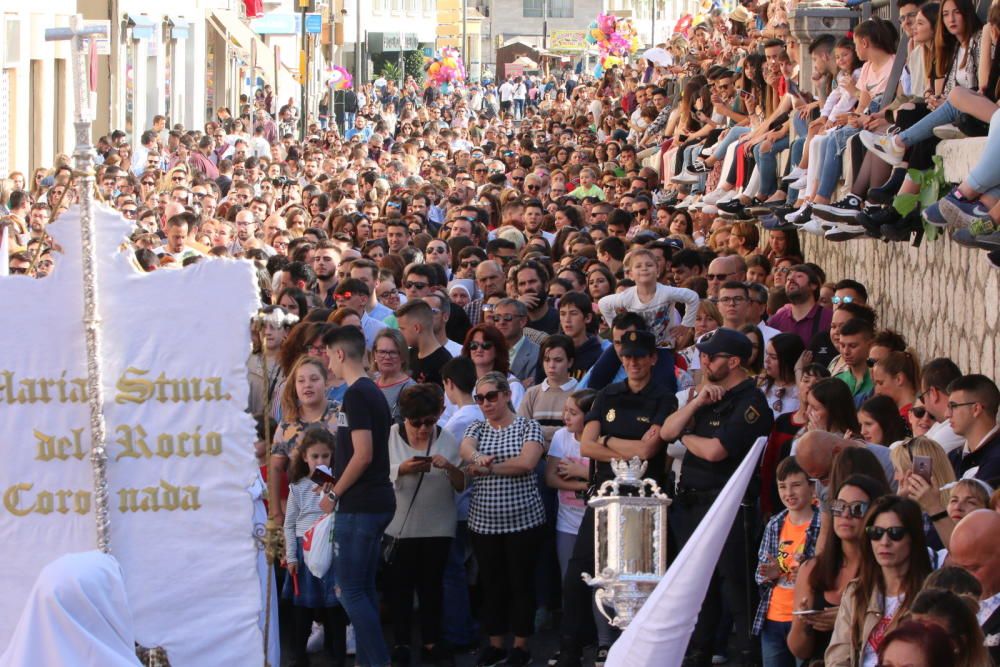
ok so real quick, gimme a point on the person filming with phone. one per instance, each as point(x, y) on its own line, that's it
point(423, 465)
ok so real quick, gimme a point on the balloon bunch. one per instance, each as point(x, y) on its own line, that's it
point(340, 78)
point(445, 68)
point(615, 38)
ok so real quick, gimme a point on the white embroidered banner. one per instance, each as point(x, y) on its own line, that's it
point(180, 446)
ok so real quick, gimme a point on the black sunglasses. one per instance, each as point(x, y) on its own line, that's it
point(476, 345)
point(488, 397)
point(875, 533)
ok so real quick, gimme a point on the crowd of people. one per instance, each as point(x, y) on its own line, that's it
point(477, 299)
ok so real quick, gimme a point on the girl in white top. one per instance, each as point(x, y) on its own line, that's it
point(655, 302)
point(567, 472)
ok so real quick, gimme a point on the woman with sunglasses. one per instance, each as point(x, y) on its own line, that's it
point(821, 581)
point(423, 466)
point(894, 564)
point(487, 348)
point(506, 515)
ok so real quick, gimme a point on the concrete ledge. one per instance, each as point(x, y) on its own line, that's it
point(960, 156)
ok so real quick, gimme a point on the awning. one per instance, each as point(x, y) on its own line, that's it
point(253, 49)
point(180, 28)
point(142, 26)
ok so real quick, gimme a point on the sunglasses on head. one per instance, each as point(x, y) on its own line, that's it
point(875, 533)
point(485, 345)
point(421, 423)
point(488, 397)
point(854, 510)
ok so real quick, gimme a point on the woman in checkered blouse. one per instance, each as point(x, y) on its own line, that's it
point(505, 516)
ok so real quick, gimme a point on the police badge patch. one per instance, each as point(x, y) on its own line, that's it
point(751, 415)
point(610, 417)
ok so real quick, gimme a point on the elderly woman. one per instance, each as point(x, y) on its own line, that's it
point(423, 464)
point(506, 515)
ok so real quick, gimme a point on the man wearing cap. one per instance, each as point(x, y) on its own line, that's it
point(623, 423)
point(718, 426)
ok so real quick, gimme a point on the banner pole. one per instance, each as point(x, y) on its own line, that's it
point(83, 158)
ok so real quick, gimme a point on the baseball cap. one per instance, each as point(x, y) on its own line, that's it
point(725, 341)
point(638, 344)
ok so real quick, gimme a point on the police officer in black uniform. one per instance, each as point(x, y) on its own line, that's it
point(718, 426)
point(624, 422)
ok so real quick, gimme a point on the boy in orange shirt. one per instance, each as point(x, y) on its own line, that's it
point(789, 539)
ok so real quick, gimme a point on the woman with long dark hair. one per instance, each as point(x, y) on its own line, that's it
point(894, 564)
point(830, 407)
point(821, 581)
point(778, 382)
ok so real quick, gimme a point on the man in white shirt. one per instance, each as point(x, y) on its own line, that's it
point(441, 309)
point(506, 96)
point(935, 377)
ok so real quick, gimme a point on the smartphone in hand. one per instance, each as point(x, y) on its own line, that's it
point(322, 475)
point(922, 467)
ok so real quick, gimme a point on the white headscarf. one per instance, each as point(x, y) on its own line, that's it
point(77, 614)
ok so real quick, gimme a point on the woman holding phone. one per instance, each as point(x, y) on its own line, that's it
point(423, 466)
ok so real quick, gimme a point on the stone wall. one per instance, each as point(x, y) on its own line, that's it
point(942, 297)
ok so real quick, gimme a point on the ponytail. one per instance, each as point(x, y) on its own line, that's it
point(880, 33)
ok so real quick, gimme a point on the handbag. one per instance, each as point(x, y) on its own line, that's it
point(389, 542)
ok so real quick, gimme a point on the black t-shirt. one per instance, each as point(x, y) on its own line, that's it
point(365, 409)
point(428, 369)
point(549, 322)
point(625, 414)
point(741, 417)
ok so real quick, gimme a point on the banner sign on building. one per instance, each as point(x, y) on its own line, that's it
point(180, 446)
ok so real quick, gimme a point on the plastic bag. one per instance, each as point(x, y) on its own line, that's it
point(317, 546)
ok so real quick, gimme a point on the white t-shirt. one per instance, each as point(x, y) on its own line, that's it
point(869, 658)
point(571, 508)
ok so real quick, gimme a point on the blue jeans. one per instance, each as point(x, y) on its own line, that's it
point(357, 541)
point(767, 165)
point(985, 176)
point(732, 135)
point(518, 109)
point(833, 159)
point(923, 129)
point(774, 645)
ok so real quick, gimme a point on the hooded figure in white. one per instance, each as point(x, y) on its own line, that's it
point(77, 614)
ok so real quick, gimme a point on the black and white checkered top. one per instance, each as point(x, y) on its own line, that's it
point(504, 503)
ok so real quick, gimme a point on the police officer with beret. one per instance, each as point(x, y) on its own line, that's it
point(718, 426)
point(624, 422)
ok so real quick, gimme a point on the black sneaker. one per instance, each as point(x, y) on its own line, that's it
point(885, 193)
point(601, 656)
point(903, 230)
point(845, 210)
point(519, 657)
point(699, 167)
point(402, 655)
point(490, 656)
point(437, 655)
point(994, 257)
point(782, 211)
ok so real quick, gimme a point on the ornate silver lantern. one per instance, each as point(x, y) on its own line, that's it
point(630, 541)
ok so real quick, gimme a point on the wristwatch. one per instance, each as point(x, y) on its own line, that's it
point(333, 497)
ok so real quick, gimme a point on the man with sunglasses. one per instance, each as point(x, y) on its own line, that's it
point(973, 401)
point(624, 422)
point(718, 426)
point(510, 316)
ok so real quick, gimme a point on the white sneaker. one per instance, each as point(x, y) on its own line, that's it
point(949, 131)
point(710, 209)
point(316, 637)
point(799, 184)
point(685, 177)
point(794, 216)
point(729, 196)
point(884, 147)
point(814, 226)
point(844, 232)
point(686, 203)
point(714, 196)
point(795, 175)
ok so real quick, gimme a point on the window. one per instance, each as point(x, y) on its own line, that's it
point(533, 8)
point(561, 9)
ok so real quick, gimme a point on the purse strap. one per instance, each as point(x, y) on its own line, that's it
point(420, 481)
